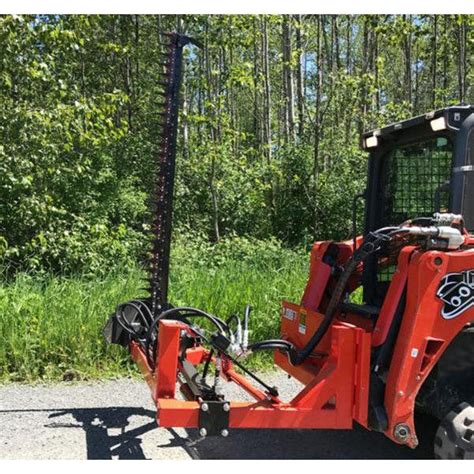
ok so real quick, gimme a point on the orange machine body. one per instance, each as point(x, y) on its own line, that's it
point(336, 376)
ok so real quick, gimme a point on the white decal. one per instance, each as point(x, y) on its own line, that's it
point(289, 314)
point(456, 291)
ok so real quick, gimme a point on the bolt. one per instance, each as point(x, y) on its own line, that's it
point(226, 407)
point(418, 377)
point(225, 433)
point(401, 431)
point(203, 432)
point(204, 407)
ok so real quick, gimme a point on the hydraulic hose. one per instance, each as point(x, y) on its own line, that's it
point(298, 357)
point(179, 313)
point(272, 344)
point(370, 245)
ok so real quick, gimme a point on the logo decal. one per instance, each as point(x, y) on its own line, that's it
point(457, 293)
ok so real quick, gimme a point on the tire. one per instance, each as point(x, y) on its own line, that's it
point(455, 436)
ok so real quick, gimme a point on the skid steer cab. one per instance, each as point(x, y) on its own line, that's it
point(384, 328)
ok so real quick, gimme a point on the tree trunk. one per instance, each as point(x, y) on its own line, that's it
point(234, 115)
point(256, 109)
point(365, 68)
point(446, 53)
point(349, 44)
point(184, 115)
point(300, 78)
point(461, 40)
point(376, 66)
point(136, 79)
point(267, 90)
point(416, 98)
point(213, 138)
point(347, 111)
point(288, 81)
point(267, 119)
point(127, 70)
point(158, 26)
point(318, 127)
point(335, 28)
point(407, 51)
point(434, 62)
point(335, 62)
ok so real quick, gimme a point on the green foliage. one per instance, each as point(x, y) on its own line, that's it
point(52, 327)
point(78, 126)
point(261, 168)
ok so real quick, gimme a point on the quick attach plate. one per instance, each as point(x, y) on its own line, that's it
point(215, 418)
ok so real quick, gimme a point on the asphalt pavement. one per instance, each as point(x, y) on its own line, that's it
point(115, 420)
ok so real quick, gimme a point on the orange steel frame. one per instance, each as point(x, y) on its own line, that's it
point(336, 376)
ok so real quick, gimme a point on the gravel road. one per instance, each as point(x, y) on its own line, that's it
point(115, 420)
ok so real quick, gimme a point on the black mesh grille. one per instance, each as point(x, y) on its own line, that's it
point(416, 176)
point(416, 186)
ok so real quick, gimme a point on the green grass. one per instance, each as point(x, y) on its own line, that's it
point(51, 328)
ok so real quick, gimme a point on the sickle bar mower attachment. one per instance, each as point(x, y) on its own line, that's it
point(357, 362)
point(162, 200)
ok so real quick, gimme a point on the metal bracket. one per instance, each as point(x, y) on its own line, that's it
point(214, 418)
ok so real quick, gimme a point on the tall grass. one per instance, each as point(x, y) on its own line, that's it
point(51, 327)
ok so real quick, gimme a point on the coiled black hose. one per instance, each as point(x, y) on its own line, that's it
point(372, 243)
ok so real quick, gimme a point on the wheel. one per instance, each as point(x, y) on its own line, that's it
point(455, 436)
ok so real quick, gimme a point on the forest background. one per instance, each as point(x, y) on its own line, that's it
point(268, 159)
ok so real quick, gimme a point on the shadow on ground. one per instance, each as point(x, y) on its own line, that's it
point(107, 437)
point(96, 423)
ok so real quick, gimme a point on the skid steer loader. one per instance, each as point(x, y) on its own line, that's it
point(409, 347)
